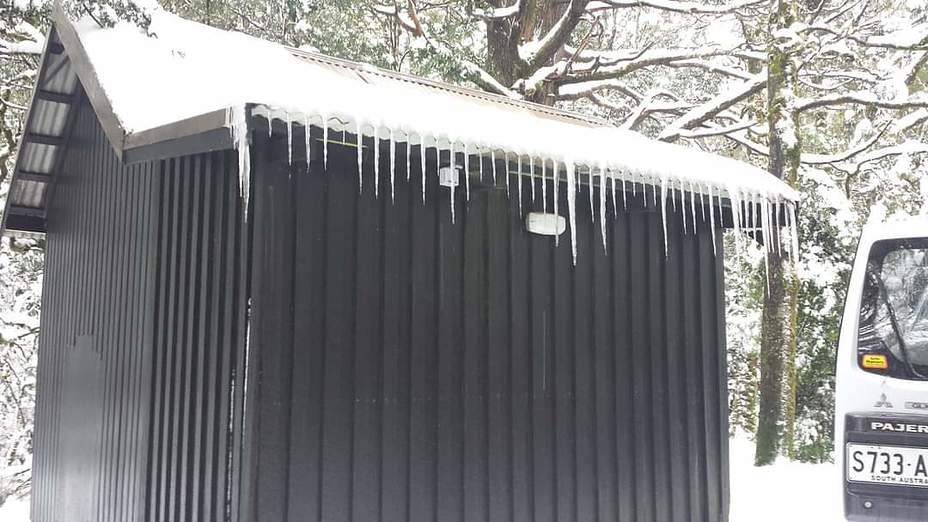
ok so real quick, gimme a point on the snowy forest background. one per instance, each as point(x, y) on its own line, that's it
point(827, 94)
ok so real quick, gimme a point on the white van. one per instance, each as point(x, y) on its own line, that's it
point(881, 396)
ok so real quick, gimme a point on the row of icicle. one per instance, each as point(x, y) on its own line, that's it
point(744, 204)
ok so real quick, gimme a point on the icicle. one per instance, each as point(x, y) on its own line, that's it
point(557, 166)
point(544, 185)
point(602, 203)
point(654, 192)
point(768, 225)
point(786, 232)
point(721, 211)
point(289, 141)
point(693, 205)
point(239, 119)
point(454, 173)
point(763, 226)
point(572, 207)
point(737, 213)
point(360, 142)
point(408, 153)
point(325, 142)
point(270, 124)
point(702, 203)
point(466, 161)
point(590, 187)
point(376, 161)
point(493, 160)
point(624, 197)
point(506, 171)
point(673, 196)
point(531, 163)
point(392, 164)
point(467, 181)
point(422, 164)
point(664, 211)
point(611, 174)
point(776, 223)
point(519, 181)
point(634, 186)
point(683, 207)
point(712, 219)
point(309, 142)
point(480, 157)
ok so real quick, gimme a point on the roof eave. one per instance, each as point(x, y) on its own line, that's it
point(80, 62)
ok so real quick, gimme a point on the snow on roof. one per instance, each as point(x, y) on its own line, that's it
point(188, 69)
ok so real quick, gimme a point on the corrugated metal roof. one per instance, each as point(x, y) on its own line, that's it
point(375, 75)
point(44, 138)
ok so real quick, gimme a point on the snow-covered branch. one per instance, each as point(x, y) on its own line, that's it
point(539, 52)
point(677, 7)
point(824, 159)
point(486, 81)
point(581, 90)
point(910, 120)
point(914, 38)
point(498, 13)
point(28, 41)
point(861, 98)
point(649, 107)
point(909, 147)
point(717, 131)
point(651, 57)
point(714, 106)
point(410, 22)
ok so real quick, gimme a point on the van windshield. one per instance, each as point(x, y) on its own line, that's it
point(892, 337)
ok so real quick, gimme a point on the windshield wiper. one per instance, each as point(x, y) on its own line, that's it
point(903, 349)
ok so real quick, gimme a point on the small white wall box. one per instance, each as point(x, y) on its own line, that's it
point(545, 224)
point(448, 176)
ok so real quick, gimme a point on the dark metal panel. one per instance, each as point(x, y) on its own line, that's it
point(84, 442)
point(415, 368)
point(139, 355)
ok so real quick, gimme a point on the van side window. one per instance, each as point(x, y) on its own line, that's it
point(892, 336)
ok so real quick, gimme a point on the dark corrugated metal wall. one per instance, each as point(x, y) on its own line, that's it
point(92, 411)
point(414, 369)
point(142, 320)
point(200, 305)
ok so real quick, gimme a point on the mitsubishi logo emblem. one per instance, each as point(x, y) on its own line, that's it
point(883, 402)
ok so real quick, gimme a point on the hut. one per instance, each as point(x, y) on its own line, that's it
point(281, 286)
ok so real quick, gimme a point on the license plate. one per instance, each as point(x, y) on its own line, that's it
point(890, 465)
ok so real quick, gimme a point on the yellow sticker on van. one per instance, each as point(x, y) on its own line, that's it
point(875, 362)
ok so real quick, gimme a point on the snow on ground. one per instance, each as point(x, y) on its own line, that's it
point(784, 492)
point(15, 510)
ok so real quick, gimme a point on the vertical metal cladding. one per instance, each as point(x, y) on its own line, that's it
point(410, 368)
point(142, 328)
point(200, 305)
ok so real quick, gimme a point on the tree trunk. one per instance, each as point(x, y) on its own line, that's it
point(535, 18)
point(777, 346)
point(503, 38)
